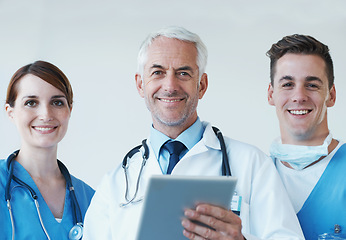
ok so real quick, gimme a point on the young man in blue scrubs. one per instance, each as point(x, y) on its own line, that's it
point(310, 161)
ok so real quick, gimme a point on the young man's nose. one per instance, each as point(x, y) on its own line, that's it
point(299, 95)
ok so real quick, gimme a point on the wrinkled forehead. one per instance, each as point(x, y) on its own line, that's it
point(170, 51)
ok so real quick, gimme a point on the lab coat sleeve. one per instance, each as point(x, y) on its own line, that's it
point(266, 211)
point(97, 224)
point(271, 213)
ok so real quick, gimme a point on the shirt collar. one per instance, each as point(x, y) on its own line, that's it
point(189, 137)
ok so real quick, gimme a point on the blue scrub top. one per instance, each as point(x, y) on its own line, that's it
point(26, 220)
point(325, 207)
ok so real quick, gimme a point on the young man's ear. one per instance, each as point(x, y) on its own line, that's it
point(139, 84)
point(332, 97)
point(270, 95)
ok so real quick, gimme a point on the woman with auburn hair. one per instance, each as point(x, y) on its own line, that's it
point(40, 199)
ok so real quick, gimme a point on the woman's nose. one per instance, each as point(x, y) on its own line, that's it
point(45, 113)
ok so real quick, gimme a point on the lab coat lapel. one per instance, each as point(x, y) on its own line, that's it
point(152, 164)
point(204, 158)
point(151, 168)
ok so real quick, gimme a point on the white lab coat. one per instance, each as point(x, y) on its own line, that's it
point(266, 211)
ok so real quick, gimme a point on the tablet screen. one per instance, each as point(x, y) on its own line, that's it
point(168, 195)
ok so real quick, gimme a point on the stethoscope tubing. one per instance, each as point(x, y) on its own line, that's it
point(77, 216)
point(226, 170)
point(145, 156)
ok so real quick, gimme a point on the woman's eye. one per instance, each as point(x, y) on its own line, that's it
point(58, 103)
point(30, 103)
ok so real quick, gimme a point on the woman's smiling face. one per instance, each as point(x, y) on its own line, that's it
point(41, 112)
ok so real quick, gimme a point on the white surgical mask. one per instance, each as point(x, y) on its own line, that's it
point(299, 156)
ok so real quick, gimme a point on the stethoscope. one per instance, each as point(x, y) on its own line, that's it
point(76, 231)
point(226, 170)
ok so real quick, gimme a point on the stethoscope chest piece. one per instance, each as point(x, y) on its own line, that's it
point(76, 232)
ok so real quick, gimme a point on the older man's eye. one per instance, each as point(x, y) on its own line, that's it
point(157, 73)
point(184, 74)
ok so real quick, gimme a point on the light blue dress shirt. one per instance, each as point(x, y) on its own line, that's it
point(189, 138)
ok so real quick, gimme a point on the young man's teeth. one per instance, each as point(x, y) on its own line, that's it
point(299, 112)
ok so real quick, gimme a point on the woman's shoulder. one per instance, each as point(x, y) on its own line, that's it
point(3, 171)
point(3, 166)
point(2, 163)
point(80, 185)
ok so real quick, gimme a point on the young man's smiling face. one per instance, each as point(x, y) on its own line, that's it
point(301, 96)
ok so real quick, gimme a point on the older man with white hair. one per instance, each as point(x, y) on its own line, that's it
point(171, 78)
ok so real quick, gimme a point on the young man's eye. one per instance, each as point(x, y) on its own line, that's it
point(313, 86)
point(30, 103)
point(287, 85)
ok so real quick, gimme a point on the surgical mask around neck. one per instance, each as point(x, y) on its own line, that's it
point(299, 156)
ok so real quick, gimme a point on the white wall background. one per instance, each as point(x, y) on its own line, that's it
point(95, 43)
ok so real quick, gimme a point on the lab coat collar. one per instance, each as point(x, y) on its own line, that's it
point(209, 141)
point(209, 138)
point(190, 137)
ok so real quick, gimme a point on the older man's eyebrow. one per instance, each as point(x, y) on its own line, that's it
point(184, 68)
point(157, 66)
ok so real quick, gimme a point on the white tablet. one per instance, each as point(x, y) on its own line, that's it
point(168, 195)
